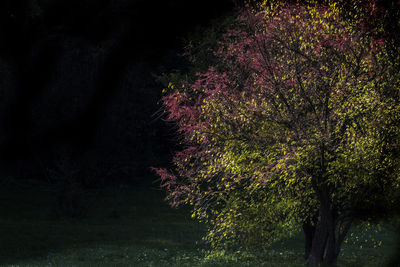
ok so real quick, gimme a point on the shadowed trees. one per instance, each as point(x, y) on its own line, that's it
point(77, 85)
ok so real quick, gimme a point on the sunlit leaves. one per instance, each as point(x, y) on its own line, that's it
point(298, 101)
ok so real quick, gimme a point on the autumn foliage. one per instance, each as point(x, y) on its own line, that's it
point(298, 122)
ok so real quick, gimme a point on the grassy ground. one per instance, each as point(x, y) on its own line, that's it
point(132, 226)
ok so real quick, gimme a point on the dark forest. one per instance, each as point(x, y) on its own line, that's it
point(77, 82)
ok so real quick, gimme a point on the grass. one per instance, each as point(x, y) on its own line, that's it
point(132, 226)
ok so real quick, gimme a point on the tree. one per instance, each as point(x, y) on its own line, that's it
point(297, 122)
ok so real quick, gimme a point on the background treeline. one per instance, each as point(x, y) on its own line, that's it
point(77, 85)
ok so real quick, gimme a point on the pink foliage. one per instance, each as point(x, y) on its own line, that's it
point(176, 191)
point(377, 43)
point(258, 64)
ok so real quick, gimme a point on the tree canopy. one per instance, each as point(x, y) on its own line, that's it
point(296, 122)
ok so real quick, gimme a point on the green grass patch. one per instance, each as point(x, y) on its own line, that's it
point(132, 226)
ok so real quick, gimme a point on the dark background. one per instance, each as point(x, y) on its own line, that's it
point(78, 96)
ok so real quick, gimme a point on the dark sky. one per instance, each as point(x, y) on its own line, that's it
point(77, 76)
point(153, 26)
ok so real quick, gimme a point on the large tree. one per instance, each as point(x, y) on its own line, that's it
point(297, 121)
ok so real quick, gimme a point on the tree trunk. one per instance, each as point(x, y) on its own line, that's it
point(332, 251)
point(336, 238)
point(328, 238)
point(308, 230)
point(309, 227)
point(319, 240)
